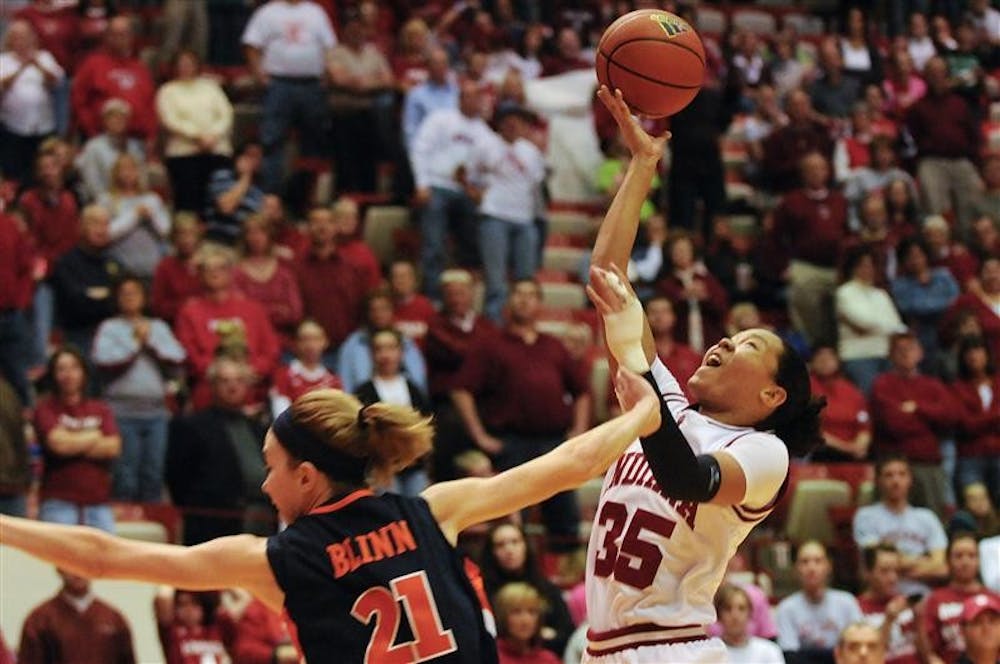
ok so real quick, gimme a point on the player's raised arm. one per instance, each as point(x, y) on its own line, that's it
point(237, 561)
point(461, 503)
point(616, 235)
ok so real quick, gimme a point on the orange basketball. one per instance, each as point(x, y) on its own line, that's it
point(655, 58)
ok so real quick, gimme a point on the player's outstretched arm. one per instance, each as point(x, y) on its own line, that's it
point(237, 561)
point(461, 503)
point(616, 235)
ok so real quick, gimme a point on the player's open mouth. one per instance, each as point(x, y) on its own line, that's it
point(713, 360)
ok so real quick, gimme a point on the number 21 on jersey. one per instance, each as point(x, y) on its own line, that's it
point(634, 562)
point(381, 604)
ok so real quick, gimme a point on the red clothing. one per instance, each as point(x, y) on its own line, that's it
point(279, 296)
point(197, 328)
point(914, 434)
point(290, 242)
point(413, 316)
point(846, 412)
point(409, 70)
point(56, 632)
point(16, 261)
point(858, 151)
point(957, 138)
point(174, 281)
point(446, 347)
point(942, 621)
point(198, 645)
point(537, 655)
point(713, 308)
point(293, 380)
point(103, 76)
point(811, 225)
point(333, 293)
point(988, 320)
point(902, 646)
point(784, 149)
point(520, 387)
point(76, 479)
point(254, 635)
point(360, 255)
point(53, 222)
point(979, 427)
point(962, 264)
point(58, 31)
point(682, 362)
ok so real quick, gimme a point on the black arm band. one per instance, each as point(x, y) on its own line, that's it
point(680, 473)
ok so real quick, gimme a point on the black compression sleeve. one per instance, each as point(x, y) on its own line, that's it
point(680, 473)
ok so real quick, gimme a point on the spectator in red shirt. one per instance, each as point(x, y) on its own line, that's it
point(79, 439)
point(114, 72)
point(941, 617)
point(809, 227)
point(333, 289)
point(223, 321)
point(75, 626)
point(176, 277)
point(16, 275)
point(567, 56)
point(844, 423)
point(511, 395)
point(885, 608)
point(263, 278)
point(289, 240)
point(984, 302)
point(953, 255)
point(413, 311)
point(187, 626)
point(978, 390)
point(677, 356)
point(911, 412)
point(785, 148)
point(519, 609)
point(253, 633)
point(351, 246)
point(306, 371)
point(701, 301)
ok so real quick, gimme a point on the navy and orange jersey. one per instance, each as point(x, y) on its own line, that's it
point(372, 579)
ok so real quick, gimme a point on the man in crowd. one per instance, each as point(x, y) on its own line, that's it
point(860, 643)
point(885, 608)
point(981, 630)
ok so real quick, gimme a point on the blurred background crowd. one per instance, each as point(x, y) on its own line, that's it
point(210, 207)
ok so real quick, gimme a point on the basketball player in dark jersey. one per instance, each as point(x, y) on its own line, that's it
point(362, 577)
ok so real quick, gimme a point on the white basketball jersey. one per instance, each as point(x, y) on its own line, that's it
point(655, 561)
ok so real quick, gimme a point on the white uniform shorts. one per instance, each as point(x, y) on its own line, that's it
point(706, 651)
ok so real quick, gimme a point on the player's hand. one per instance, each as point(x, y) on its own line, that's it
point(639, 143)
point(610, 290)
point(633, 392)
point(624, 319)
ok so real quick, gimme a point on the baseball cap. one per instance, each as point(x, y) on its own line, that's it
point(116, 105)
point(506, 109)
point(973, 607)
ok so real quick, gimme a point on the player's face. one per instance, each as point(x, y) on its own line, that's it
point(963, 560)
point(740, 370)
point(885, 574)
point(509, 548)
point(735, 616)
point(894, 481)
point(281, 482)
point(860, 645)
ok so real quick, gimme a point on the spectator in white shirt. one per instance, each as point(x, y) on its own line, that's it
point(810, 620)
point(919, 43)
point(27, 116)
point(986, 20)
point(99, 154)
point(916, 531)
point(732, 604)
point(440, 155)
point(288, 47)
point(511, 168)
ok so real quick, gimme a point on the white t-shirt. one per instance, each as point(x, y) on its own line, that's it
point(654, 561)
point(856, 58)
point(807, 625)
point(446, 140)
point(915, 531)
point(755, 651)
point(26, 107)
point(392, 390)
point(293, 38)
point(510, 173)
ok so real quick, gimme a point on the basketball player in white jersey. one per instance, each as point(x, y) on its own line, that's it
point(677, 504)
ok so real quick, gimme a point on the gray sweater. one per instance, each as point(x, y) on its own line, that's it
point(137, 385)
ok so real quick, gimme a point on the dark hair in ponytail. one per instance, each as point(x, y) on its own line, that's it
point(796, 421)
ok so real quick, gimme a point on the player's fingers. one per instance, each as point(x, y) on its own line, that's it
point(599, 302)
point(622, 277)
point(600, 279)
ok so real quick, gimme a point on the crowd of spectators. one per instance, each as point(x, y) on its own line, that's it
point(175, 272)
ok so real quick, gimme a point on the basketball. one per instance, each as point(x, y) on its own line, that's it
point(655, 58)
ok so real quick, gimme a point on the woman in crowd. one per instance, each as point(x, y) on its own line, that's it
point(188, 626)
point(79, 441)
point(508, 557)
point(140, 222)
point(978, 435)
point(519, 608)
point(861, 57)
point(198, 120)
point(176, 277)
point(734, 609)
point(135, 352)
point(261, 276)
point(845, 424)
point(700, 300)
